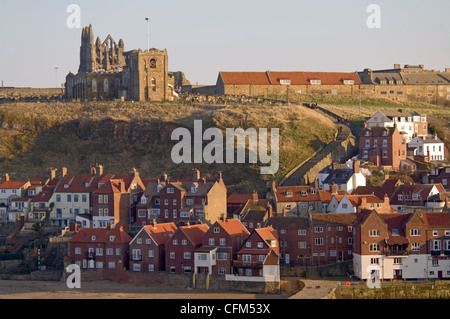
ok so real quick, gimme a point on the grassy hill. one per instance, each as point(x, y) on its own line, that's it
point(121, 135)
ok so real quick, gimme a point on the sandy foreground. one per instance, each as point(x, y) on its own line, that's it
point(19, 289)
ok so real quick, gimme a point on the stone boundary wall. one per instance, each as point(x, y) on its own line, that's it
point(180, 281)
point(394, 290)
point(30, 94)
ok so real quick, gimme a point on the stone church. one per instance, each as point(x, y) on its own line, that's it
point(109, 72)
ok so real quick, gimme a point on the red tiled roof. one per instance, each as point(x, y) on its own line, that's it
point(238, 198)
point(194, 232)
point(102, 235)
point(437, 220)
point(13, 184)
point(234, 227)
point(303, 78)
point(161, 233)
point(254, 78)
point(282, 192)
point(296, 78)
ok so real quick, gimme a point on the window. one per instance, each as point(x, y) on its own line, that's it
point(94, 85)
point(151, 253)
point(83, 198)
point(77, 251)
point(374, 233)
point(153, 63)
point(315, 82)
point(211, 242)
point(318, 241)
point(172, 255)
point(174, 202)
point(260, 245)
point(248, 245)
point(301, 232)
point(222, 242)
point(189, 201)
point(222, 255)
point(75, 198)
point(288, 194)
point(105, 85)
point(415, 246)
point(435, 245)
point(202, 257)
point(415, 232)
point(301, 244)
point(216, 230)
point(395, 232)
point(170, 190)
point(69, 197)
point(318, 229)
point(187, 255)
point(374, 247)
point(435, 233)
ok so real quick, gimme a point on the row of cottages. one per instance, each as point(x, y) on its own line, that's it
point(226, 248)
point(98, 200)
point(182, 201)
point(27, 200)
point(401, 246)
point(405, 198)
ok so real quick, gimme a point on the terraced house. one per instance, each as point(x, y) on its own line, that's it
point(402, 246)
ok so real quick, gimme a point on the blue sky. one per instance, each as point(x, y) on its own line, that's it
point(204, 37)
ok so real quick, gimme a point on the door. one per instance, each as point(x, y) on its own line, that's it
point(398, 274)
point(341, 255)
point(440, 274)
point(288, 259)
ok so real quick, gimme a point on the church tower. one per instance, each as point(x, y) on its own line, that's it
point(87, 50)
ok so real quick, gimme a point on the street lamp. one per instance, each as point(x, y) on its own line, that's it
point(148, 33)
point(56, 76)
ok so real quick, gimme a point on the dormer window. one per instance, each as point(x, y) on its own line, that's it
point(93, 238)
point(303, 193)
point(349, 82)
point(170, 190)
point(288, 194)
point(315, 82)
point(111, 238)
point(144, 200)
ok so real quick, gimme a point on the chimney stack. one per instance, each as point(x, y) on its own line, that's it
point(333, 189)
point(63, 171)
point(274, 186)
point(269, 210)
point(355, 166)
point(284, 212)
point(6, 177)
point(52, 173)
point(255, 196)
point(334, 165)
point(196, 176)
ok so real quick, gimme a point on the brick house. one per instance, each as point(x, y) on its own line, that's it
point(412, 123)
point(258, 257)
point(383, 147)
point(100, 248)
point(402, 245)
point(295, 200)
point(319, 239)
point(147, 249)
point(110, 204)
point(408, 198)
point(236, 201)
point(439, 175)
point(219, 247)
point(181, 247)
point(387, 188)
point(254, 212)
point(185, 200)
